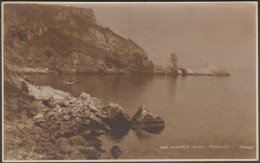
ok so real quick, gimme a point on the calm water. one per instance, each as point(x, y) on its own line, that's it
point(199, 111)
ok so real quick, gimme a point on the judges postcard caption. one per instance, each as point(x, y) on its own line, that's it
point(197, 147)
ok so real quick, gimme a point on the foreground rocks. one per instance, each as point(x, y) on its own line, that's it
point(118, 120)
point(31, 142)
point(54, 125)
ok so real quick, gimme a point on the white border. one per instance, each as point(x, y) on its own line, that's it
point(257, 91)
point(127, 160)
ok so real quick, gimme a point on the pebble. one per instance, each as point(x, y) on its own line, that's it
point(21, 126)
point(59, 110)
point(45, 110)
point(99, 131)
point(87, 122)
point(78, 120)
point(66, 117)
point(86, 133)
point(39, 116)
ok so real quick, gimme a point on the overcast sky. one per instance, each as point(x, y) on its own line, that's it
point(223, 33)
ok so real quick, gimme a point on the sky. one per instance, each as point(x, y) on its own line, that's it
point(222, 33)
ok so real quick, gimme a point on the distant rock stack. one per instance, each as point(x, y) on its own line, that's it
point(174, 64)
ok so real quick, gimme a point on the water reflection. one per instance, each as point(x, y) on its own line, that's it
point(196, 110)
point(118, 133)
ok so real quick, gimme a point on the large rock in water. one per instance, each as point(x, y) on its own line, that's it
point(117, 119)
point(116, 151)
point(209, 70)
point(147, 121)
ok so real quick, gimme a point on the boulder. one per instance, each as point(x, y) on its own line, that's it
point(64, 146)
point(96, 120)
point(84, 96)
point(21, 126)
point(117, 119)
point(89, 152)
point(62, 157)
point(25, 88)
point(28, 80)
point(76, 155)
point(66, 117)
point(116, 151)
point(147, 121)
point(98, 132)
point(39, 118)
point(78, 140)
point(62, 141)
point(78, 120)
point(94, 142)
point(57, 100)
point(86, 133)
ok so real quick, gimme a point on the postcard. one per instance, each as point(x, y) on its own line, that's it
point(129, 81)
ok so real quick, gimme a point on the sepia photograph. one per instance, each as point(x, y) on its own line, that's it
point(129, 81)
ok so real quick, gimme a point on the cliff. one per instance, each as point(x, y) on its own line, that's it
point(66, 39)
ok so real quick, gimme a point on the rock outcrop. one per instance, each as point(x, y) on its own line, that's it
point(52, 124)
point(49, 124)
point(117, 118)
point(208, 70)
point(202, 71)
point(116, 151)
point(147, 121)
point(49, 38)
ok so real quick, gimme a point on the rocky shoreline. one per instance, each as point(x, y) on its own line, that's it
point(162, 71)
point(54, 125)
point(207, 70)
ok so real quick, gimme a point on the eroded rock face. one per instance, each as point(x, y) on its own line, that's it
point(147, 121)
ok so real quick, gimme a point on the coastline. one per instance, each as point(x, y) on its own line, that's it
point(181, 72)
point(57, 57)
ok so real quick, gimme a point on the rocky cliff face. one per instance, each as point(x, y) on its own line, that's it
point(66, 39)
